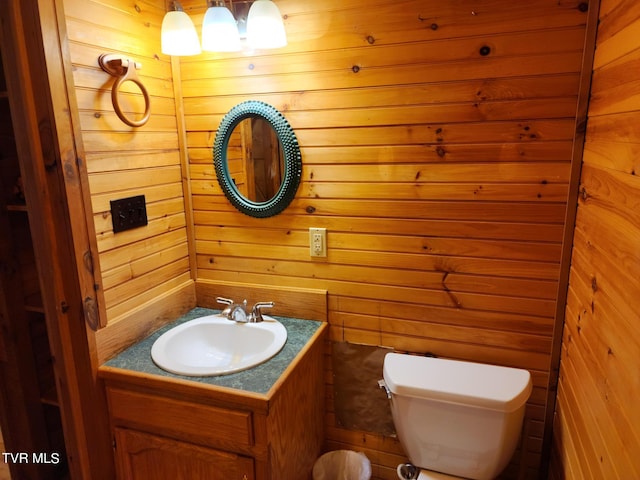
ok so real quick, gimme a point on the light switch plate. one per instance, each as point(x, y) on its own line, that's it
point(128, 213)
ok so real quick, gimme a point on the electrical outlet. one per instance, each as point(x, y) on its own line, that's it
point(318, 242)
point(127, 213)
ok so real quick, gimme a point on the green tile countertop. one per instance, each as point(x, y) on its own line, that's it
point(258, 379)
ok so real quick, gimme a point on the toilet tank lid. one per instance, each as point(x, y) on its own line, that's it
point(474, 384)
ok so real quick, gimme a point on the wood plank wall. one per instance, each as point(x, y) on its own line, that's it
point(146, 264)
point(436, 142)
point(596, 429)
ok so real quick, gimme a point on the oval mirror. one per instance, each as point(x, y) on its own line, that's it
point(257, 159)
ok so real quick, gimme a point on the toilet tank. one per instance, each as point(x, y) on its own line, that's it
point(454, 417)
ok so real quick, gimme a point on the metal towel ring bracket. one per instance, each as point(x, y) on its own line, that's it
point(124, 69)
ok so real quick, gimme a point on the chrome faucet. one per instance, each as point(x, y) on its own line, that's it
point(238, 312)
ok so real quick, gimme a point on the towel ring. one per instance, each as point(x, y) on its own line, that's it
point(124, 70)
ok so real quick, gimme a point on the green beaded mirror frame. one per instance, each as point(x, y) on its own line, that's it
point(291, 152)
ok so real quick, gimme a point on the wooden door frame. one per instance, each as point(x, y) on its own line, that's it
point(569, 229)
point(63, 236)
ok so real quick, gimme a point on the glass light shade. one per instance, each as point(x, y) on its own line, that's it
point(265, 28)
point(178, 35)
point(220, 31)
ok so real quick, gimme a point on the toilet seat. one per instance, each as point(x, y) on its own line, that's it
point(429, 475)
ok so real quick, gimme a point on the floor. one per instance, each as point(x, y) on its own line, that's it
point(4, 468)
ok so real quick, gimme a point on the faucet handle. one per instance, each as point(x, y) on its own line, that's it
point(256, 312)
point(225, 301)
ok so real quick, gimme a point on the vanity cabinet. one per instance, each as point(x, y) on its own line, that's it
point(144, 456)
point(169, 427)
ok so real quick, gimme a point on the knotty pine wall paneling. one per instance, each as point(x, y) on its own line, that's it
point(596, 430)
point(145, 271)
point(437, 142)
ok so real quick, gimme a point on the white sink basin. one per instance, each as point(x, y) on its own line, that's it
point(214, 345)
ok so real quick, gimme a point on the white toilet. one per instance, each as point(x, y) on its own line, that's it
point(455, 419)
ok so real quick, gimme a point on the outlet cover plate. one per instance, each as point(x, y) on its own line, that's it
point(128, 213)
point(318, 242)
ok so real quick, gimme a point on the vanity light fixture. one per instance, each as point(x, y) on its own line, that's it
point(178, 33)
point(223, 28)
point(219, 29)
point(265, 28)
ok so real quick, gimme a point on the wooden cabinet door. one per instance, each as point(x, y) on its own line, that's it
point(142, 456)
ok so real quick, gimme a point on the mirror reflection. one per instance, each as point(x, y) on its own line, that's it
point(255, 159)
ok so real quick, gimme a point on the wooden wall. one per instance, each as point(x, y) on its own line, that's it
point(146, 271)
point(596, 429)
point(437, 143)
point(441, 175)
